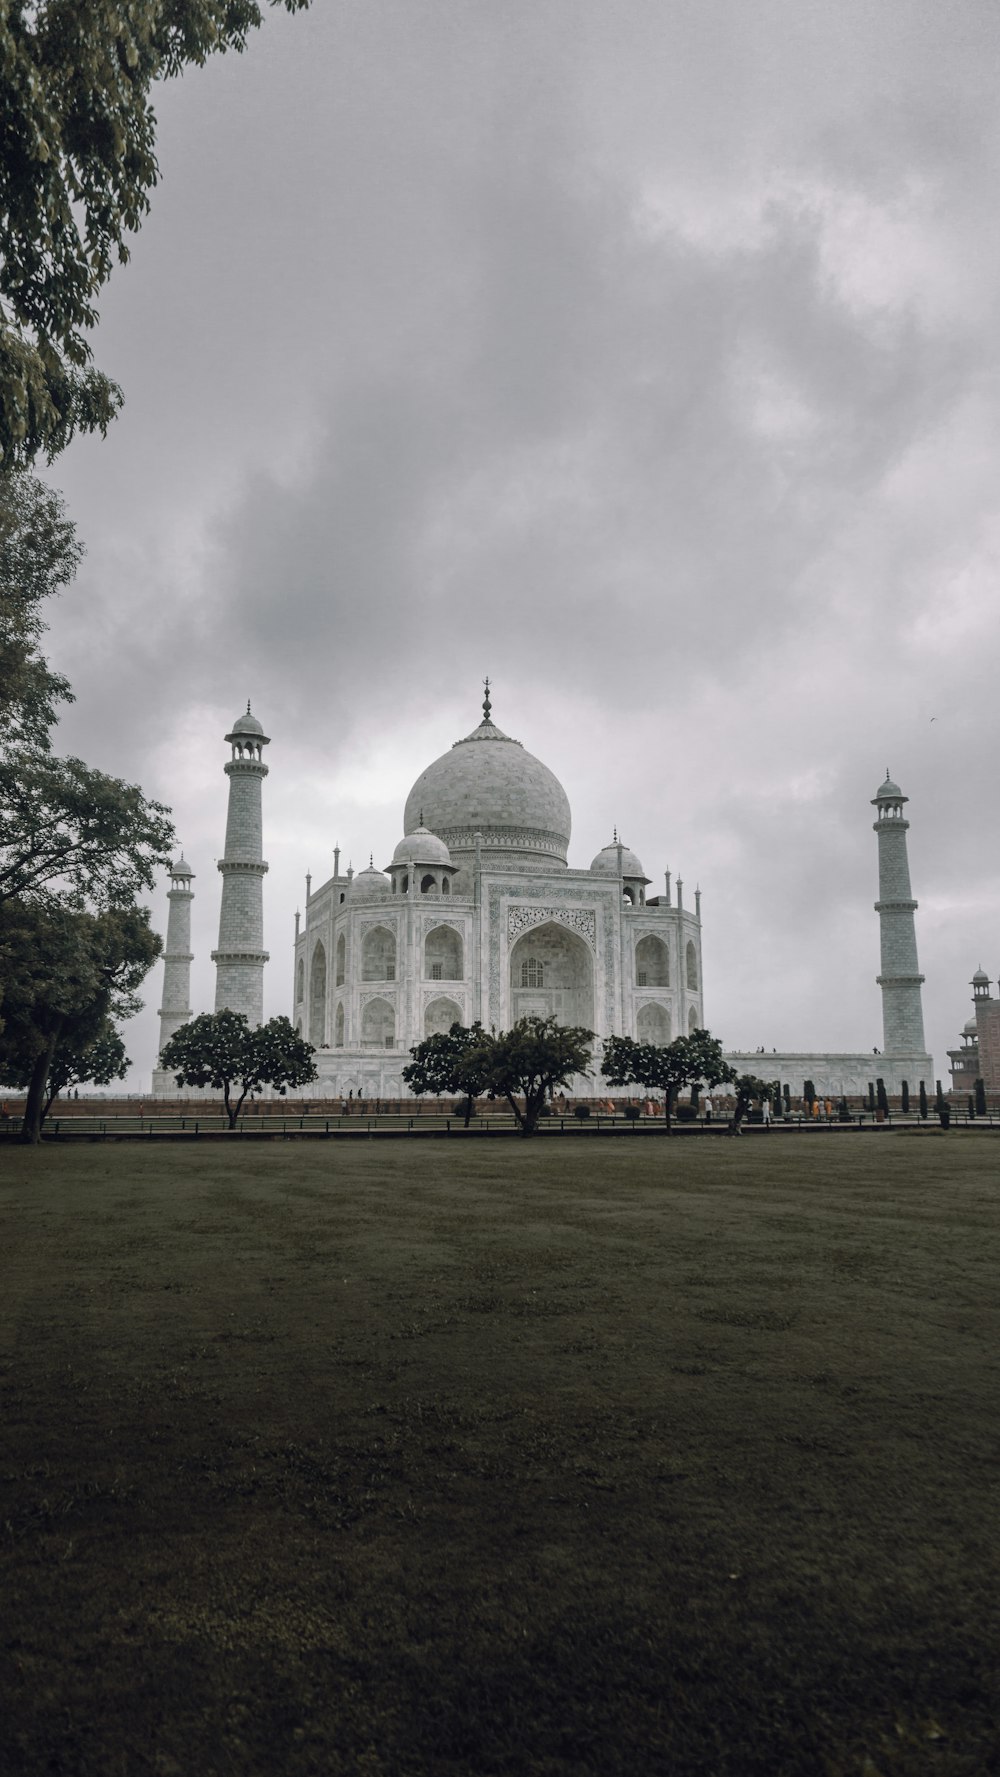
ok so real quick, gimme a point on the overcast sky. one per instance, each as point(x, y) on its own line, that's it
point(642, 356)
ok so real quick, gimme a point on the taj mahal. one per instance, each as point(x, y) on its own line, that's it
point(479, 914)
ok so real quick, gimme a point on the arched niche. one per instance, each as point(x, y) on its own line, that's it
point(443, 955)
point(378, 1025)
point(652, 962)
point(440, 1015)
point(300, 981)
point(317, 997)
point(341, 955)
point(552, 975)
point(691, 965)
point(692, 1020)
point(378, 955)
point(338, 1026)
point(652, 1024)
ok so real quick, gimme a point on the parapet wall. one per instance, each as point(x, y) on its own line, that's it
point(837, 1073)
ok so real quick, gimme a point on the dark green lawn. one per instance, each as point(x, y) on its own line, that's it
point(570, 1457)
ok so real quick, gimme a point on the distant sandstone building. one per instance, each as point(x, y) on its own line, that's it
point(979, 1055)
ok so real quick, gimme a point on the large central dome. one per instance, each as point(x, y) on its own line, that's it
point(488, 784)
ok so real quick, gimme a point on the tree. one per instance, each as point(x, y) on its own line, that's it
point(456, 1062)
point(96, 1061)
point(881, 1097)
point(694, 1060)
point(923, 1099)
point(66, 973)
point(530, 1060)
point(77, 164)
point(905, 1095)
point(70, 832)
point(980, 1092)
point(39, 554)
point(222, 1050)
point(67, 832)
point(749, 1089)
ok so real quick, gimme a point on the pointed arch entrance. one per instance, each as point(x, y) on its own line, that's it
point(552, 976)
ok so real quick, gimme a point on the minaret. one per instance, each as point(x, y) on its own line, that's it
point(240, 958)
point(177, 956)
point(900, 980)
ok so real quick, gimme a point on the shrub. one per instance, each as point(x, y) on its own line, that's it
point(980, 1090)
point(582, 1111)
point(686, 1113)
point(923, 1099)
point(632, 1111)
point(906, 1095)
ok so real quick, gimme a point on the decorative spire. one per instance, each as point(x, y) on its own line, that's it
point(615, 839)
point(487, 706)
point(248, 706)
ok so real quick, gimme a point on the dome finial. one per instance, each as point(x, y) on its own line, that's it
point(421, 820)
point(487, 706)
point(248, 706)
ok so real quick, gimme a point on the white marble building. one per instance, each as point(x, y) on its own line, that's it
point(479, 914)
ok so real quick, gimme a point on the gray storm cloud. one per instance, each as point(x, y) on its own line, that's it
point(642, 357)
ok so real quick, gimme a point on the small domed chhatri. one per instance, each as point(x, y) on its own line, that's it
point(370, 884)
point(247, 724)
point(422, 847)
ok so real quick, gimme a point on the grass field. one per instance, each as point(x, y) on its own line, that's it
point(575, 1457)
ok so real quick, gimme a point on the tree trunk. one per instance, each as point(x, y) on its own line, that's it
point(34, 1109)
point(519, 1120)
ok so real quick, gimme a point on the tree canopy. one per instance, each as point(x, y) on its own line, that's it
point(39, 554)
point(694, 1060)
point(222, 1050)
point(456, 1061)
point(77, 165)
point(67, 974)
point(66, 829)
point(530, 1060)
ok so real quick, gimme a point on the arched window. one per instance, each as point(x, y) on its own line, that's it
point(317, 997)
point(692, 1020)
point(652, 962)
point(427, 884)
point(532, 972)
point(445, 886)
point(443, 955)
point(378, 955)
point(691, 956)
point(378, 1025)
point(300, 981)
point(341, 959)
point(439, 1017)
point(653, 1025)
point(339, 1026)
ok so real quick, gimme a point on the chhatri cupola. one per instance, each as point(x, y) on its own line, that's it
point(617, 860)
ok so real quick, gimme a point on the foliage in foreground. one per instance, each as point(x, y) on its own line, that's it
point(222, 1050)
point(77, 165)
point(695, 1060)
point(68, 975)
point(524, 1065)
point(456, 1061)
